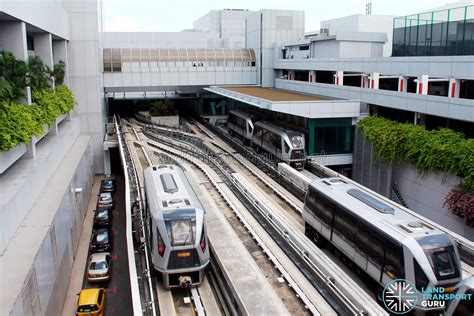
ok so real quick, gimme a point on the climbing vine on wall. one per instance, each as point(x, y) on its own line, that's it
point(438, 150)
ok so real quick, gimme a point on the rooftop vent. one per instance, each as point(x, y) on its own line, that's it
point(413, 227)
point(169, 185)
point(334, 181)
point(371, 201)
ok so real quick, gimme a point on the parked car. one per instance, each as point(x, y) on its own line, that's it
point(99, 267)
point(108, 185)
point(101, 241)
point(91, 302)
point(103, 217)
point(105, 200)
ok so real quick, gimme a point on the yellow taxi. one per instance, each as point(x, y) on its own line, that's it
point(91, 302)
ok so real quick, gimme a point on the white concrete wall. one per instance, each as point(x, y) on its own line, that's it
point(363, 23)
point(226, 27)
point(13, 39)
point(182, 76)
point(39, 13)
point(185, 39)
point(267, 30)
point(459, 109)
point(39, 283)
point(461, 67)
point(325, 49)
point(23, 182)
point(85, 73)
point(425, 195)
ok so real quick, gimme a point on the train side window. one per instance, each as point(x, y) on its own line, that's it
point(232, 118)
point(394, 267)
point(376, 248)
point(319, 207)
point(344, 224)
point(421, 280)
point(363, 238)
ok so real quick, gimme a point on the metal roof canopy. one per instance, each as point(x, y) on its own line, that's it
point(289, 102)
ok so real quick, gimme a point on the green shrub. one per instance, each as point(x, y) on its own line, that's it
point(438, 150)
point(18, 123)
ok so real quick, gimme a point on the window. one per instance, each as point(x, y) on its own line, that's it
point(101, 296)
point(444, 265)
point(345, 224)
point(421, 280)
point(319, 206)
point(363, 238)
point(87, 308)
point(376, 250)
point(394, 266)
point(181, 227)
point(116, 60)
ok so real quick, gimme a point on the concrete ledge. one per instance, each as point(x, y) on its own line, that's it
point(22, 183)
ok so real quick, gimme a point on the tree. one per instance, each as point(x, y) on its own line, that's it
point(14, 72)
point(59, 71)
point(160, 108)
point(38, 74)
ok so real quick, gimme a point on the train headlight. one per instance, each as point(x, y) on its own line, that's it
point(297, 141)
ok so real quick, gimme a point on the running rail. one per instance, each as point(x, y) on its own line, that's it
point(136, 301)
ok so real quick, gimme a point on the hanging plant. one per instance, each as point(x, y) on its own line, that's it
point(438, 150)
point(461, 203)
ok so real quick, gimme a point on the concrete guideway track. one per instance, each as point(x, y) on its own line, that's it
point(379, 310)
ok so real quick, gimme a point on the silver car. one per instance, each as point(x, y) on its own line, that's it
point(99, 267)
point(105, 200)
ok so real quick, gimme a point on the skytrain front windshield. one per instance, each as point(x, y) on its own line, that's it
point(296, 139)
point(440, 252)
point(181, 227)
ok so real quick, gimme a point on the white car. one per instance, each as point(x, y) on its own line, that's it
point(99, 267)
point(105, 200)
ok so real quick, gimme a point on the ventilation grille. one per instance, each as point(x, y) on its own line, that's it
point(371, 201)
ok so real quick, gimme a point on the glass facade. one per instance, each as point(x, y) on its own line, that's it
point(331, 136)
point(439, 33)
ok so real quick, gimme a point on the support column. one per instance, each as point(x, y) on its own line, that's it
point(454, 88)
point(13, 35)
point(339, 78)
point(60, 54)
point(374, 80)
point(420, 118)
point(44, 48)
point(364, 82)
point(402, 83)
point(291, 75)
point(311, 128)
point(422, 85)
point(312, 76)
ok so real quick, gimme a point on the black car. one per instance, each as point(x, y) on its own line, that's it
point(103, 217)
point(101, 240)
point(108, 185)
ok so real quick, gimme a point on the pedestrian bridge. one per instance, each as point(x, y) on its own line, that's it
point(155, 71)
